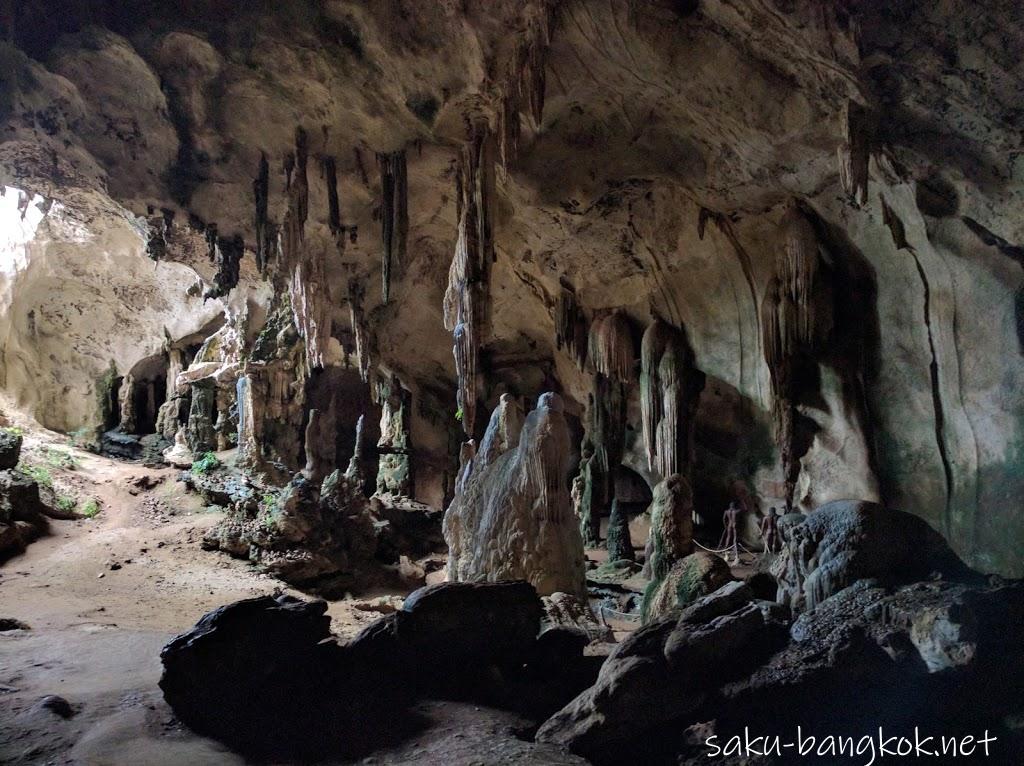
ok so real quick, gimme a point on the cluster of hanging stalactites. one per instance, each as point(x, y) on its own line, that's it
point(394, 214)
point(571, 326)
point(524, 86)
point(610, 347)
point(794, 322)
point(465, 300)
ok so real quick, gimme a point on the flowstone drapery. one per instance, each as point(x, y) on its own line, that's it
point(670, 387)
point(796, 319)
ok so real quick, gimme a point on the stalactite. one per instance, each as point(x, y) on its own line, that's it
point(298, 203)
point(305, 269)
point(330, 170)
point(855, 153)
point(795, 321)
point(226, 253)
point(524, 85)
point(607, 429)
point(394, 214)
point(356, 292)
point(670, 387)
point(655, 339)
point(670, 442)
point(266, 230)
point(611, 347)
point(571, 327)
point(798, 271)
point(467, 296)
point(465, 351)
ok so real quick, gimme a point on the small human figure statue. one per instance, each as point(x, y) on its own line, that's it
point(730, 538)
point(770, 530)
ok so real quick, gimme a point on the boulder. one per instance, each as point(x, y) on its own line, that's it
point(463, 627)
point(263, 676)
point(847, 540)
point(10, 448)
point(568, 611)
point(19, 496)
point(687, 579)
point(666, 671)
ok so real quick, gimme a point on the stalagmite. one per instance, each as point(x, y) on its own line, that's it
point(320, 444)
point(512, 516)
point(394, 214)
point(356, 292)
point(358, 474)
point(571, 327)
point(126, 396)
point(199, 433)
point(671, 535)
point(395, 471)
point(583, 487)
point(620, 546)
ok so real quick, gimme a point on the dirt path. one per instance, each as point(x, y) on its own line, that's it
point(103, 595)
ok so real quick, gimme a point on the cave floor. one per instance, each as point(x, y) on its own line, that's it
point(103, 595)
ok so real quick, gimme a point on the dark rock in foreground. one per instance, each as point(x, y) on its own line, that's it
point(939, 654)
point(266, 677)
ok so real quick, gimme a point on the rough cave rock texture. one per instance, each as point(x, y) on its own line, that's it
point(511, 517)
point(645, 154)
point(728, 657)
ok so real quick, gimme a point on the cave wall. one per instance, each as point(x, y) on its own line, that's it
point(673, 139)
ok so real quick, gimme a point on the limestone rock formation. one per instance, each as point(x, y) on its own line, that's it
point(312, 535)
point(665, 670)
point(671, 535)
point(686, 580)
point(535, 174)
point(846, 541)
point(729, 659)
point(22, 512)
point(10, 448)
point(512, 517)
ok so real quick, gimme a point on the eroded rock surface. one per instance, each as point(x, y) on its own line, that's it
point(512, 515)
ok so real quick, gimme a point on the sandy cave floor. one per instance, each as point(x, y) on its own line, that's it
point(103, 595)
